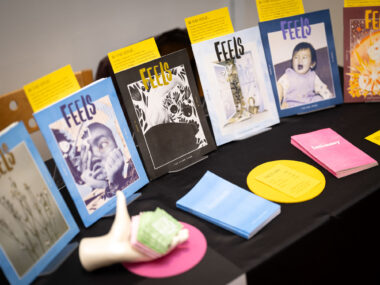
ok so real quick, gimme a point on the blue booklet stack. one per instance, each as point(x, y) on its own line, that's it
point(228, 206)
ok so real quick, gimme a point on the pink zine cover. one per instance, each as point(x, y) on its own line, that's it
point(333, 152)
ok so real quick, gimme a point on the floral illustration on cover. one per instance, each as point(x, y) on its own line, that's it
point(173, 103)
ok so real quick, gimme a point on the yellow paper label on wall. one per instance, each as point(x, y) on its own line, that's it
point(287, 180)
point(375, 138)
point(275, 9)
point(361, 3)
point(209, 25)
point(51, 88)
point(133, 55)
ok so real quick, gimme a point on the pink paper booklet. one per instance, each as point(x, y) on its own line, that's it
point(333, 152)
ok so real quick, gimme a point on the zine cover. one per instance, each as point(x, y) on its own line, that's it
point(333, 152)
point(92, 146)
point(300, 52)
point(236, 87)
point(163, 105)
point(361, 54)
point(35, 223)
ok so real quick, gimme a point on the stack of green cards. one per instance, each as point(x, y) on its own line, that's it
point(155, 232)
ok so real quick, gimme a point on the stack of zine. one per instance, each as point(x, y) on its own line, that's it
point(153, 232)
point(228, 206)
point(333, 152)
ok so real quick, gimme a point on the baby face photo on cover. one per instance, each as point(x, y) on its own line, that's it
point(302, 67)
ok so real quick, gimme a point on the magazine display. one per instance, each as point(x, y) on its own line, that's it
point(235, 82)
point(361, 54)
point(165, 111)
point(92, 146)
point(35, 223)
point(301, 57)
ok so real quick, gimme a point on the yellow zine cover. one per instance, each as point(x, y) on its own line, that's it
point(286, 181)
point(375, 138)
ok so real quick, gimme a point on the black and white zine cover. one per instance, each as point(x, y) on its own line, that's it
point(164, 108)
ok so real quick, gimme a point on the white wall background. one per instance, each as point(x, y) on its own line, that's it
point(40, 36)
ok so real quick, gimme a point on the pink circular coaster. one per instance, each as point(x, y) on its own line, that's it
point(182, 258)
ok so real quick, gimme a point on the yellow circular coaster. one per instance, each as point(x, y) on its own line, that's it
point(286, 181)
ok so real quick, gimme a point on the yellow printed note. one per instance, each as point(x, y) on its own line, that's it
point(287, 180)
point(51, 88)
point(134, 55)
point(361, 3)
point(275, 9)
point(209, 25)
point(375, 138)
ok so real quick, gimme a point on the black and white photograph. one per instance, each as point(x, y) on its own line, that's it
point(97, 155)
point(302, 67)
point(31, 223)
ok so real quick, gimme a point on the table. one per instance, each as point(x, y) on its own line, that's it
point(331, 237)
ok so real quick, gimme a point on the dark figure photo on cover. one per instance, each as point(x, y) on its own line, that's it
point(306, 77)
point(168, 118)
point(98, 159)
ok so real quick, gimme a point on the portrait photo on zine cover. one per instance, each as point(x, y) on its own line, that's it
point(302, 68)
point(97, 155)
point(168, 118)
point(30, 220)
point(239, 94)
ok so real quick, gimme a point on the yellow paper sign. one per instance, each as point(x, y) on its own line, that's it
point(286, 181)
point(375, 138)
point(51, 88)
point(133, 55)
point(275, 9)
point(361, 3)
point(209, 25)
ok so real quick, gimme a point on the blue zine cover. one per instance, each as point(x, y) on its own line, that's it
point(228, 206)
point(35, 223)
point(302, 63)
point(235, 81)
point(92, 146)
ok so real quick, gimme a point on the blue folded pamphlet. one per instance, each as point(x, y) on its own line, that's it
point(228, 206)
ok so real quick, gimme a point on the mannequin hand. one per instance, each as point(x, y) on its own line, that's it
point(115, 247)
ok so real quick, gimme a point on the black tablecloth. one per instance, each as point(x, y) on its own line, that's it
point(233, 161)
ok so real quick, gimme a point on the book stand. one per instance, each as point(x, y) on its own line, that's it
point(254, 134)
point(188, 165)
point(59, 259)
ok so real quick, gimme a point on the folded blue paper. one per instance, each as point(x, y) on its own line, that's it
point(227, 205)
